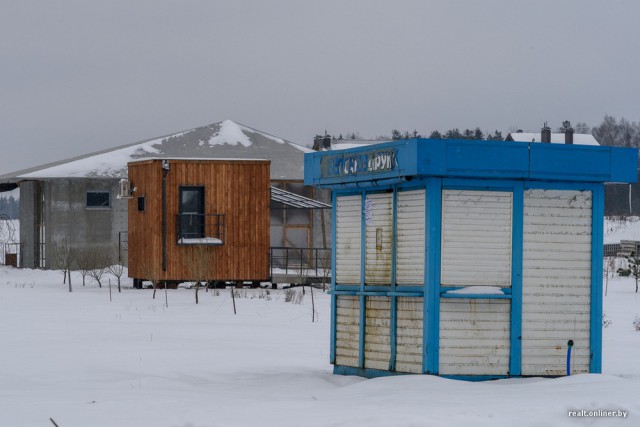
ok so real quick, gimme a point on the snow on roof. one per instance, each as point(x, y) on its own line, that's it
point(556, 138)
point(227, 139)
point(343, 144)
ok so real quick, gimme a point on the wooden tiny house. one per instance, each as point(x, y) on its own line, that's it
point(199, 220)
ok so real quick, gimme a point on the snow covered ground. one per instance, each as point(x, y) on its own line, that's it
point(83, 360)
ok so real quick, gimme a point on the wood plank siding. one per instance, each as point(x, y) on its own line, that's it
point(377, 341)
point(348, 239)
point(347, 330)
point(474, 337)
point(237, 189)
point(476, 238)
point(556, 277)
point(410, 241)
point(409, 335)
point(379, 230)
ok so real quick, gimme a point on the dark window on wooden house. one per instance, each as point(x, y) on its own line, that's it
point(141, 203)
point(191, 220)
point(98, 199)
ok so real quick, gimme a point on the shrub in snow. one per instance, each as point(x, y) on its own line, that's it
point(293, 296)
point(636, 323)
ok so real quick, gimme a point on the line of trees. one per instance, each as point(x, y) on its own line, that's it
point(611, 132)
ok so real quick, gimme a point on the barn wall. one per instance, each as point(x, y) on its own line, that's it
point(556, 281)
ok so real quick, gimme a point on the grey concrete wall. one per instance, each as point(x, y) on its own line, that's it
point(68, 217)
point(29, 198)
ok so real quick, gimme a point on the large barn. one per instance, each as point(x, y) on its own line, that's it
point(75, 200)
point(468, 259)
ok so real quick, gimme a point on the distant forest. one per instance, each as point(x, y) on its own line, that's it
point(9, 207)
point(611, 131)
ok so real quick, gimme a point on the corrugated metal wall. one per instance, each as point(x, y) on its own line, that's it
point(347, 330)
point(379, 238)
point(410, 238)
point(377, 341)
point(474, 337)
point(556, 281)
point(409, 335)
point(348, 243)
point(476, 238)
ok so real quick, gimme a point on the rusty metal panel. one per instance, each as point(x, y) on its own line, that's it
point(410, 217)
point(476, 238)
point(377, 338)
point(348, 239)
point(378, 225)
point(409, 335)
point(347, 330)
point(556, 282)
point(474, 337)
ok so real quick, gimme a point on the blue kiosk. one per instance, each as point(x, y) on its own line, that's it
point(468, 259)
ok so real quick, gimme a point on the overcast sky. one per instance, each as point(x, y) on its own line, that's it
point(79, 76)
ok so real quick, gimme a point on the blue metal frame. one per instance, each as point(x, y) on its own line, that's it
point(334, 300)
point(431, 307)
point(597, 248)
point(517, 229)
point(448, 164)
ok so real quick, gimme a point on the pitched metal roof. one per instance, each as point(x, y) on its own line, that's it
point(225, 139)
point(295, 200)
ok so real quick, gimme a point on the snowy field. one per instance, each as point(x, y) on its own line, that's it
point(83, 360)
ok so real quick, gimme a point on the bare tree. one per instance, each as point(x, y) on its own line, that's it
point(116, 269)
point(99, 261)
point(83, 264)
point(64, 257)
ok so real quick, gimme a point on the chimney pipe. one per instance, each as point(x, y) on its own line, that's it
point(568, 135)
point(546, 133)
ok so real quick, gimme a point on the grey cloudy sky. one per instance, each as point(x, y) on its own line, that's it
point(78, 76)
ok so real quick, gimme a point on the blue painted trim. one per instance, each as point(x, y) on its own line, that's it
point(506, 291)
point(431, 313)
point(355, 290)
point(406, 294)
point(334, 311)
point(477, 184)
point(374, 293)
point(347, 288)
point(377, 288)
point(597, 218)
point(377, 373)
point(365, 372)
point(334, 300)
point(517, 248)
point(411, 289)
point(363, 308)
point(393, 326)
point(475, 296)
point(394, 237)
